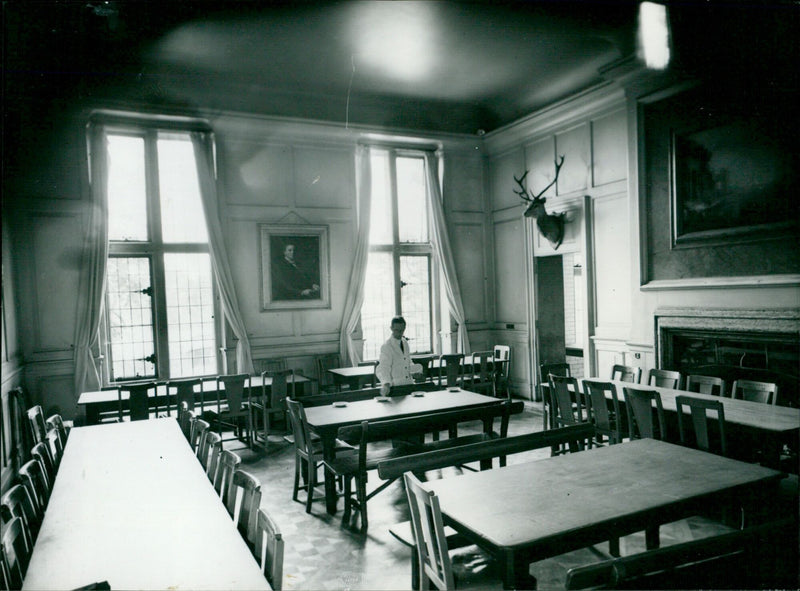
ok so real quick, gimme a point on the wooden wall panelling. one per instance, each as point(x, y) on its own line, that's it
point(254, 172)
point(609, 148)
point(574, 145)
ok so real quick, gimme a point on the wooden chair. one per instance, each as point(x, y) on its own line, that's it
point(430, 541)
point(32, 475)
point(17, 502)
point(664, 378)
point(353, 468)
point(199, 430)
point(17, 549)
point(272, 402)
point(308, 453)
point(545, 369)
point(755, 391)
point(639, 406)
point(56, 424)
point(482, 379)
point(451, 370)
point(372, 381)
point(214, 447)
point(228, 462)
point(234, 411)
point(138, 399)
point(698, 410)
point(502, 357)
point(268, 549)
point(38, 430)
point(55, 447)
point(244, 499)
point(185, 419)
point(626, 373)
point(606, 423)
point(187, 391)
point(112, 416)
point(276, 364)
point(41, 453)
point(564, 410)
point(204, 442)
point(706, 385)
point(324, 379)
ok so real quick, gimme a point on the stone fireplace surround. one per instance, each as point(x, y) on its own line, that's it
point(775, 329)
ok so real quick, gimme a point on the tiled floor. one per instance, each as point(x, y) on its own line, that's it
point(321, 553)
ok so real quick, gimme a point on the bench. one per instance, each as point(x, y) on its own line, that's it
point(575, 436)
point(407, 435)
point(763, 556)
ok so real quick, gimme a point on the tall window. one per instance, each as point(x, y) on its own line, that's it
point(159, 299)
point(398, 278)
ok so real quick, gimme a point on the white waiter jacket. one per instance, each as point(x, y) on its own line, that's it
point(395, 367)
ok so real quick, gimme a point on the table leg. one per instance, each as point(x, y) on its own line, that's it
point(328, 453)
point(515, 572)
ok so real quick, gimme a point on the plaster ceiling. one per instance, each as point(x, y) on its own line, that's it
point(451, 66)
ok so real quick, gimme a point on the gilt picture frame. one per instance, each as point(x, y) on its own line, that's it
point(295, 267)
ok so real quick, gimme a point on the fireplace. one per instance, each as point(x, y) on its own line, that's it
point(761, 345)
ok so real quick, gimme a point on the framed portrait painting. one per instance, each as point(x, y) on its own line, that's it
point(295, 267)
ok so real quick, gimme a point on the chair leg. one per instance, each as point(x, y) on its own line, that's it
point(297, 469)
point(652, 540)
point(312, 482)
point(348, 500)
point(361, 493)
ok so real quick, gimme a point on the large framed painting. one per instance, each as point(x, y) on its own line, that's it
point(295, 267)
point(719, 178)
point(730, 182)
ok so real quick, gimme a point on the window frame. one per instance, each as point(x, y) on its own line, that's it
point(154, 247)
point(400, 249)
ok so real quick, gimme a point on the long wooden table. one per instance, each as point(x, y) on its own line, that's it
point(131, 505)
point(98, 401)
point(527, 512)
point(328, 419)
point(766, 426)
point(355, 377)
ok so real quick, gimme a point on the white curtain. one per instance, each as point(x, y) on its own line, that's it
point(204, 154)
point(355, 293)
point(93, 269)
point(441, 246)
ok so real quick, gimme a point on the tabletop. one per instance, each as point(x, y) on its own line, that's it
point(395, 407)
point(571, 501)
point(765, 417)
point(131, 505)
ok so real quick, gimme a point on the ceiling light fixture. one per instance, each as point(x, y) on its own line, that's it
point(653, 35)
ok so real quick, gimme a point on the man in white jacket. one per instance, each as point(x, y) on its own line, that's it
point(395, 367)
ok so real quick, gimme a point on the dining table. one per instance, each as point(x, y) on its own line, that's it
point(526, 512)
point(326, 420)
point(767, 427)
point(96, 402)
point(355, 377)
point(131, 506)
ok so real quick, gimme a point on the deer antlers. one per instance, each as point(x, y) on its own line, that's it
point(523, 191)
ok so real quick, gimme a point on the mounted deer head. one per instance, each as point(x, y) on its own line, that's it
point(550, 225)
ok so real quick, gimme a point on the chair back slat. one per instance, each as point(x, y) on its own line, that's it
point(451, 370)
point(626, 373)
point(33, 478)
point(664, 378)
point(429, 535)
point(38, 430)
point(138, 399)
point(268, 549)
point(228, 462)
point(699, 409)
point(605, 422)
point(17, 549)
point(753, 391)
point(185, 391)
point(233, 386)
point(244, 499)
point(213, 449)
point(706, 385)
point(639, 405)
